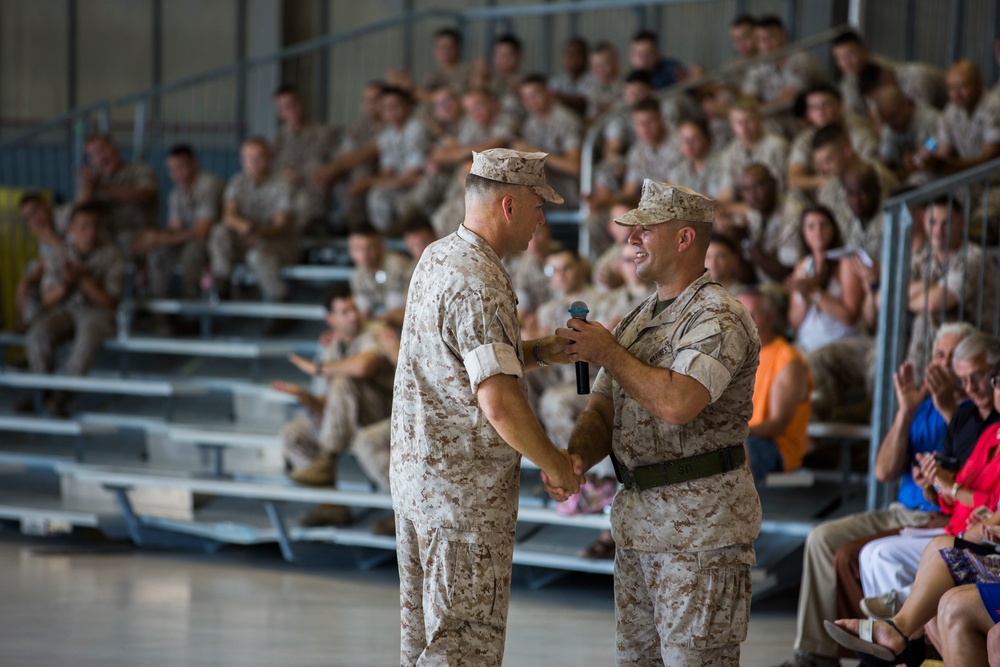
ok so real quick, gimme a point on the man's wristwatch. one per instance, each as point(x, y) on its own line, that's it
point(954, 490)
point(538, 354)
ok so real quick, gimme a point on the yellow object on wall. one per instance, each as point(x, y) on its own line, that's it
point(17, 249)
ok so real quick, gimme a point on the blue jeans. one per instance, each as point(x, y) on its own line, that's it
point(764, 457)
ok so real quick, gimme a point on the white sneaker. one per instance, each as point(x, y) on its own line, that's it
point(881, 607)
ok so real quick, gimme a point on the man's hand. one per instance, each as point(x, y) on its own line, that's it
point(304, 365)
point(942, 389)
point(908, 394)
point(562, 483)
point(588, 341)
point(73, 272)
point(288, 388)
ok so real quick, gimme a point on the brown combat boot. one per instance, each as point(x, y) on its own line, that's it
point(321, 472)
point(327, 515)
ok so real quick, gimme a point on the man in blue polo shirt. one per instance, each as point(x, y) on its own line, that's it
point(920, 426)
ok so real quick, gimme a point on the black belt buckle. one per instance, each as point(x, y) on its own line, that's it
point(628, 478)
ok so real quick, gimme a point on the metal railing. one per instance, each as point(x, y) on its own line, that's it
point(972, 190)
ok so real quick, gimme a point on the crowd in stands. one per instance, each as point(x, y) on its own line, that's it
point(800, 167)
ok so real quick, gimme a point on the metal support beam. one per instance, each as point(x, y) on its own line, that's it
point(278, 522)
point(72, 47)
point(911, 28)
point(323, 70)
point(156, 46)
point(408, 53)
point(957, 21)
point(241, 74)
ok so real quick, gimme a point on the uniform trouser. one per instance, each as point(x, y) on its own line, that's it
point(189, 258)
point(266, 259)
point(454, 590)
point(300, 445)
point(86, 327)
point(682, 609)
point(890, 564)
point(817, 597)
point(839, 368)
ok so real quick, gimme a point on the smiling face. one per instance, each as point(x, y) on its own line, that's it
point(656, 250)
point(974, 378)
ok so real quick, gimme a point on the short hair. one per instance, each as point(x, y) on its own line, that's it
point(948, 201)
point(829, 134)
point(93, 208)
point(646, 36)
point(364, 228)
point(648, 105)
point(259, 141)
point(977, 344)
point(401, 93)
point(638, 76)
point(338, 292)
point(286, 89)
point(509, 39)
point(482, 188)
point(869, 78)
point(535, 78)
point(845, 38)
point(416, 222)
point(728, 241)
point(743, 19)
point(770, 21)
point(451, 32)
point(747, 104)
point(824, 88)
point(561, 249)
point(699, 123)
point(33, 197)
point(578, 41)
point(181, 150)
point(961, 329)
point(604, 46)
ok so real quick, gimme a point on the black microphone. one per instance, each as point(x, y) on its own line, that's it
point(578, 311)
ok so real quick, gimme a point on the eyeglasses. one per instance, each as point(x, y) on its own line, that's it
point(976, 379)
point(994, 381)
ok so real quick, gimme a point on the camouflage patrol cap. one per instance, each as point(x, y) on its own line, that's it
point(515, 167)
point(663, 202)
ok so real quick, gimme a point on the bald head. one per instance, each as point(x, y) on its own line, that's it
point(965, 84)
point(893, 107)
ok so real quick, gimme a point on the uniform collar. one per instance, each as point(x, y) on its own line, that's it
point(671, 312)
point(479, 242)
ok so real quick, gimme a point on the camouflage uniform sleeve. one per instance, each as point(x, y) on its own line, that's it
point(206, 200)
point(173, 205)
point(281, 196)
point(991, 128)
point(114, 276)
point(801, 151)
point(711, 351)
point(602, 384)
point(232, 188)
point(416, 145)
point(484, 333)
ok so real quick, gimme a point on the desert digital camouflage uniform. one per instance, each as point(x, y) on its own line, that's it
point(49, 256)
point(352, 207)
point(866, 234)
point(125, 219)
point(531, 285)
point(682, 569)
point(557, 134)
point(454, 480)
point(400, 150)
point(767, 80)
point(655, 162)
point(771, 151)
point(259, 203)
point(779, 234)
point(351, 403)
point(960, 273)
point(457, 81)
point(77, 318)
point(894, 145)
point(202, 201)
point(920, 82)
point(304, 152)
point(706, 181)
point(384, 290)
point(602, 95)
point(833, 195)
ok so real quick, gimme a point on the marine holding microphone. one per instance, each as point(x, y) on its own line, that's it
point(671, 405)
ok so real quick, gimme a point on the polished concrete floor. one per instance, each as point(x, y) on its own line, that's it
point(78, 603)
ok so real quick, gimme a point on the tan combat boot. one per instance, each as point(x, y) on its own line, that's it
point(321, 472)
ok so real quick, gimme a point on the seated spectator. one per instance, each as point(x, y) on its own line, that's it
point(948, 278)
point(194, 205)
point(358, 393)
point(744, 47)
point(823, 107)
point(380, 278)
point(865, 228)
point(945, 562)
point(301, 148)
point(905, 127)
point(256, 224)
point(609, 273)
point(777, 82)
point(724, 263)
point(918, 81)
point(778, 438)
point(417, 235)
point(921, 424)
point(79, 301)
point(834, 156)
point(634, 290)
point(825, 293)
point(619, 131)
point(700, 166)
point(450, 71)
point(127, 190)
point(606, 85)
point(770, 231)
point(37, 214)
point(551, 128)
point(402, 149)
point(527, 272)
point(751, 144)
point(644, 55)
point(888, 564)
point(966, 616)
point(503, 78)
point(571, 87)
point(969, 131)
point(355, 159)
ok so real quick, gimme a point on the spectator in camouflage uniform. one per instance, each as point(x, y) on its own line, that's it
point(380, 278)
point(461, 421)
point(38, 216)
point(675, 387)
point(79, 302)
point(751, 144)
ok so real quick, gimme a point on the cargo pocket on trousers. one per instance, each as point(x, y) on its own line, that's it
point(469, 590)
point(721, 600)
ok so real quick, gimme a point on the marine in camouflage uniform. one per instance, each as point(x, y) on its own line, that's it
point(677, 382)
point(459, 412)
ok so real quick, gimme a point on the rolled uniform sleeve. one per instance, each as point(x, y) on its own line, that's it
point(485, 336)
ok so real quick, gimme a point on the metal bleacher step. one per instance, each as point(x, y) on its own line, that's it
point(32, 498)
